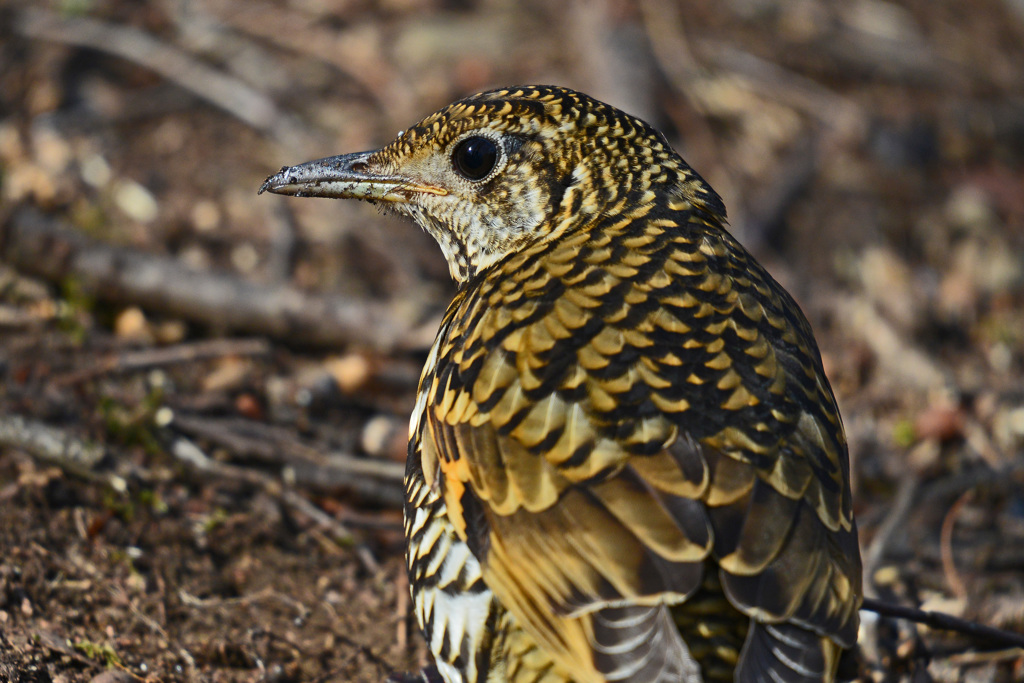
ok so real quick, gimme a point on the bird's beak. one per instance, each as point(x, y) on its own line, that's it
point(345, 177)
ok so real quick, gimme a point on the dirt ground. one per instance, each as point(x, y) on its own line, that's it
point(204, 392)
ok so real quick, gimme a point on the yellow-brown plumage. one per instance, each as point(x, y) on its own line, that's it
point(625, 460)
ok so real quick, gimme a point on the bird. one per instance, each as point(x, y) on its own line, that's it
point(625, 463)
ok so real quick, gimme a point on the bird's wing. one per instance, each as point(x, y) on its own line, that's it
point(602, 418)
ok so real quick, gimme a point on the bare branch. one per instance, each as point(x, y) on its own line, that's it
point(229, 94)
point(189, 352)
point(373, 479)
point(946, 622)
point(46, 247)
point(52, 445)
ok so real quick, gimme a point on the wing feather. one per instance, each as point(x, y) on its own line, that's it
point(600, 440)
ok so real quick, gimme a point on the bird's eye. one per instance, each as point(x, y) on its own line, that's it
point(475, 157)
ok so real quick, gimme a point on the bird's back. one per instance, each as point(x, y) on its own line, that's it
point(634, 414)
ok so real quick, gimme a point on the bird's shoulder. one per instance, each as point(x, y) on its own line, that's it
point(605, 411)
point(613, 339)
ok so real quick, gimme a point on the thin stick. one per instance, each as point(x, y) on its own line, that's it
point(895, 520)
point(946, 622)
point(373, 479)
point(956, 582)
point(190, 454)
point(57, 447)
point(187, 352)
point(226, 92)
point(48, 247)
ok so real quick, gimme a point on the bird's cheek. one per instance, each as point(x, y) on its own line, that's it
point(442, 210)
point(526, 210)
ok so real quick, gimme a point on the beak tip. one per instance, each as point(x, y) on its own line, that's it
point(277, 181)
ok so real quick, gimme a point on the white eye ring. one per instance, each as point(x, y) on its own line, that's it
point(478, 155)
point(475, 158)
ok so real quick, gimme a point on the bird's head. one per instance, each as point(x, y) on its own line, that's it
point(493, 172)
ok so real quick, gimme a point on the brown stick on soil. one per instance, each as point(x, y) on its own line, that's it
point(46, 247)
point(189, 352)
point(371, 479)
point(52, 445)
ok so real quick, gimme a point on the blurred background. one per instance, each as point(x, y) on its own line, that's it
point(204, 393)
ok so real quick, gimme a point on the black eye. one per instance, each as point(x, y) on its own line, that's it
point(475, 157)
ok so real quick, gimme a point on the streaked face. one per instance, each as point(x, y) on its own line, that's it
point(498, 170)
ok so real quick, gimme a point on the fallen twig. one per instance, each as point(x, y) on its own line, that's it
point(900, 360)
point(838, 115)
point(47, 247)
point(223, 91)
point(189, 352)
point(975, 658)
point(299, 32)
point(874, 553)
point(956, 582)
point(57, 447)
point(946, 622)
point(1009, 476)
point(375, 480)
point(265, 594)
point(899, 509)
point(671, 50)
point(191, 455)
